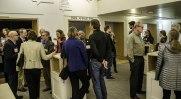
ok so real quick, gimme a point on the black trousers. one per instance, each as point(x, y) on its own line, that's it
point(114, 63)
point(33, 80)
point(136, 78)
point(46, 73)
point(167, 94)
point(12, 80)
point(77, 92)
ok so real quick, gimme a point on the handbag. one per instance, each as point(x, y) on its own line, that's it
point(20, 62)
point(64, 73)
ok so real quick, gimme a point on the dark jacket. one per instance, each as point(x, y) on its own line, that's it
point(100, 45)
point(148, 39)
point(19, 41)
point(49, 47)
point(10, 57)
point(113, 49)
point(75, 52)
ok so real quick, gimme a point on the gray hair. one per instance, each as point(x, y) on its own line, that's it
point(175, 26)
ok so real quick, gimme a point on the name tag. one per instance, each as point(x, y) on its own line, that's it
point(87, 46)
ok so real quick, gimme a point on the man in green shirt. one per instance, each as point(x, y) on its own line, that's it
point(135, 49)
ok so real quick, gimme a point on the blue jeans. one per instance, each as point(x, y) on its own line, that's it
point(98, 79)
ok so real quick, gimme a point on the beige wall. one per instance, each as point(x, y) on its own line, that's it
point(49, 16)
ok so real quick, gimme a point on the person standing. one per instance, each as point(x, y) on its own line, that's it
point(33, 52)
point(107, 30)
point(49, 48)
point(135, 49)
point(60, 39)
point(100, 50)
point(10, 55)
point(21, 79)
point(74, 52)
point(168, 69)
point(131, 26)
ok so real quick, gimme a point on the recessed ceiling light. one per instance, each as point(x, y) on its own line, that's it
point(133, 11)
point(150, 12)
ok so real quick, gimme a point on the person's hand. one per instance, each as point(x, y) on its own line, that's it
point(54, 53)
point(105, 64)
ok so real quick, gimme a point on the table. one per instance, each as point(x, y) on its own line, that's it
point(153, 90)
point(5, 92)
point(60, 89)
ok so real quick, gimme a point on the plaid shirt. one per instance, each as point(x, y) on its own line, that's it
point(135, 46)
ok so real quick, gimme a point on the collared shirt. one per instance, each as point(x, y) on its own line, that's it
point(135, 46)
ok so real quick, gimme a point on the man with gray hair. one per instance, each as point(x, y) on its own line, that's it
point(135, 49)
point(10, 55)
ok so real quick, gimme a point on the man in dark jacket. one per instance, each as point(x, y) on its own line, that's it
point(49, 48)
point(100, 50)
point(21, 79)
point(107, 30)
point(10, 56)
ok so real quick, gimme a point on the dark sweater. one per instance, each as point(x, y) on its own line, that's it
point(75, 52)
point(100, 46)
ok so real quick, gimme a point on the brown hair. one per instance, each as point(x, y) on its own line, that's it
point(106, 28)
point(72, 32)
point(32, 35)
point(47, 33)
point(95, 23)
point(60, 32)
point(174, 43)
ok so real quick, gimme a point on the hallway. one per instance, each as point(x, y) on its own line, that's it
point(117, 88)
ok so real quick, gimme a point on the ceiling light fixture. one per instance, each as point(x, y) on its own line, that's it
point(133, 11)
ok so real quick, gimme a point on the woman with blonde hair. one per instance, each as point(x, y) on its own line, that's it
point(168, 69)
point(33, 53)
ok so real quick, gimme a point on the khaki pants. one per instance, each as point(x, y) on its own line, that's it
point(21, 79)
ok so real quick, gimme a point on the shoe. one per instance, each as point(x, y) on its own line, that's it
point(135, 97)
point(110, 77)
point(115, 71)
point(141, 92)
point(46, 89)
point(19, 97)
point(22, 89)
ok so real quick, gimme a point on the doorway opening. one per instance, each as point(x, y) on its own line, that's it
point(15, 24)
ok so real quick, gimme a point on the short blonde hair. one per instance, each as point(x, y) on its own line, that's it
point(72, 32)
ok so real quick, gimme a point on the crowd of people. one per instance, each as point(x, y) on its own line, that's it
point(24, 55)
point(168, 61)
